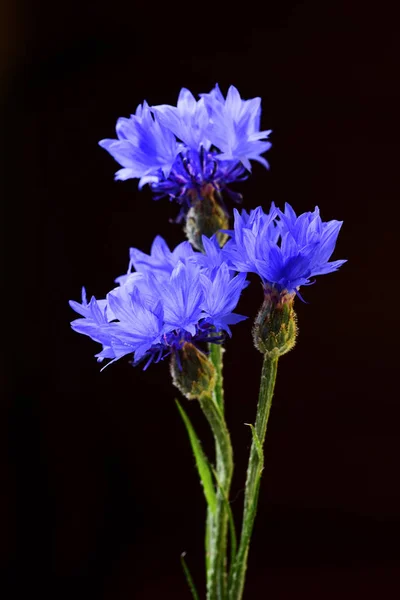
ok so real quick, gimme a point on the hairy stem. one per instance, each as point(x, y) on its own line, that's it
point(216, 354)
point(216, 357)
point(254, 470)
point(217, 525)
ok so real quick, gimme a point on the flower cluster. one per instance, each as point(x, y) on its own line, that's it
point(169, 299)
point(283, 249)
point(181, 150)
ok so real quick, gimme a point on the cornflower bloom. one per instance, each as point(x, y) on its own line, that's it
point(188, 151)
point(170, 300)
point(284, 249)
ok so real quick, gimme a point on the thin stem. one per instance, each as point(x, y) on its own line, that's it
point(207, 540)
point(216, 579)
point(216, 354)
point(216, 357)
point(267, 384)
point(221, 528)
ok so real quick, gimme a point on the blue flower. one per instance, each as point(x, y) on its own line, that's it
point(173, 298)
point(235, 127)
point(187, 151)
point(145, 149)
point(287, 252)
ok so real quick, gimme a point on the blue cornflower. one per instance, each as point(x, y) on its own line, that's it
point(190, 150)
point(145, 149)
point(172, 299)
point(286, 252)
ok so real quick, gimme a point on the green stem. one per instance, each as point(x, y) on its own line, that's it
point(216, 353)
point(267, 384)
point(216, 578)
point(216, 356)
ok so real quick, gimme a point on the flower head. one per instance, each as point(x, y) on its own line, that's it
point(182, 150)
point(283, 249)
point(172, 299)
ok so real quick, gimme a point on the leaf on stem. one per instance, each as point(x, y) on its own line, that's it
point(202, 463)
point(189, 578)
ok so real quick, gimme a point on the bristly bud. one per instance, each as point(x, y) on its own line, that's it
point(206, 217)
point(275, 327)
point(192, 373)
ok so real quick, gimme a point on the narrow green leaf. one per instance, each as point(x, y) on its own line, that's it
point(201, 461)
point(189, 578)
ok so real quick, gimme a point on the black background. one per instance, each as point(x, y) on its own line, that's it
point(99, 495)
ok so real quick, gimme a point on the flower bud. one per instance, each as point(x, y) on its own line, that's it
point(206, 217)
point(275, 327)
point(192, 373)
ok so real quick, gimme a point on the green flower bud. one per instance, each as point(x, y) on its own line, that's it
point(195, 374)
point(275, 327)
point(206, 217)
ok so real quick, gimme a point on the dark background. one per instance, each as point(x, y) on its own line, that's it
point(99, 494)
